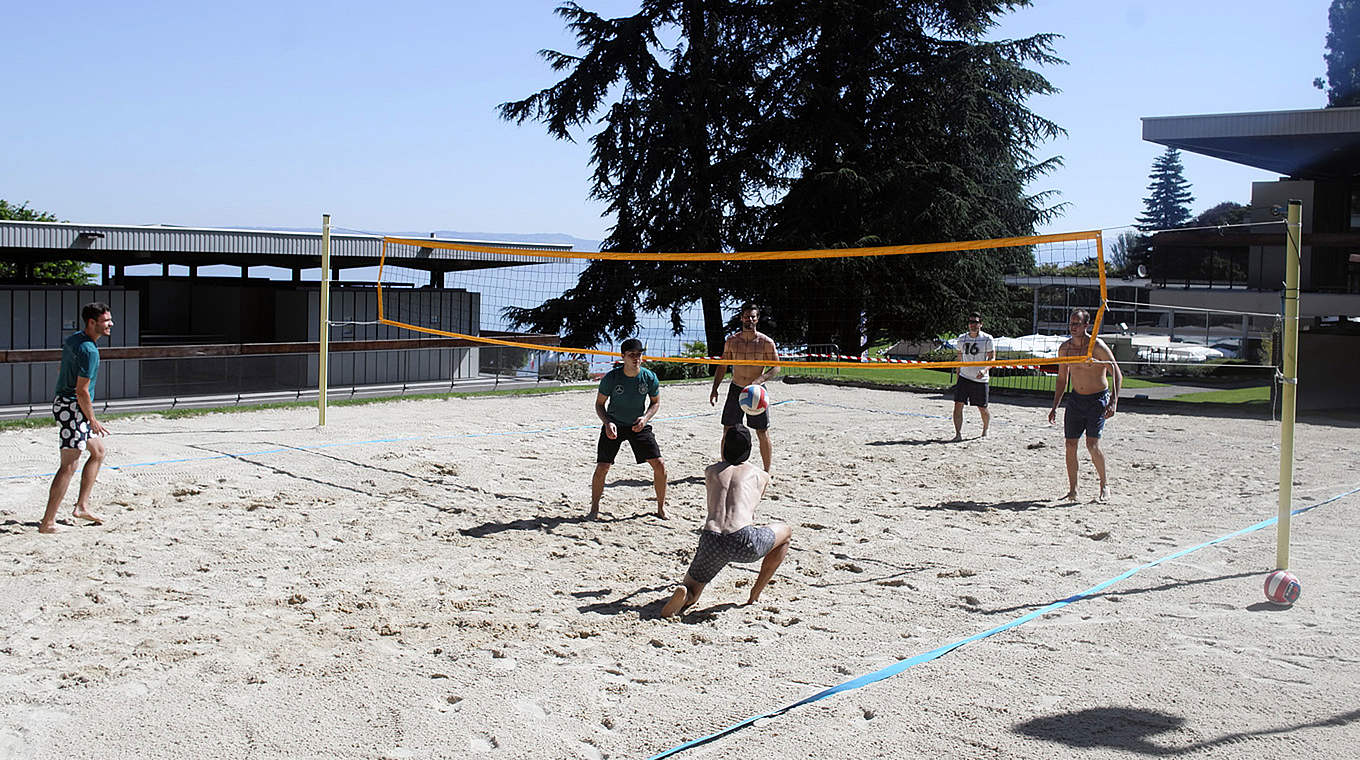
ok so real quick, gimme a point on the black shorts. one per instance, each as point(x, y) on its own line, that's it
point(732, 412)
point(971, 392)
point(643, 443)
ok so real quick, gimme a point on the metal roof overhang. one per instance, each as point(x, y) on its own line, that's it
point(156, 244)
point(1318, 144)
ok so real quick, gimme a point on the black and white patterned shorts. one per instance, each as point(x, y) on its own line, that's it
point(71, 423)
point(717, 549)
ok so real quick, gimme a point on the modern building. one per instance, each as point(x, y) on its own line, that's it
point(183, 332)
point(1241, 269)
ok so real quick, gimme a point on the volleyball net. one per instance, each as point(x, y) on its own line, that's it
point(844, 307)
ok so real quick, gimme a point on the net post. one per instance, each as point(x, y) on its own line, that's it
point(1289, 389)
point(325, 326)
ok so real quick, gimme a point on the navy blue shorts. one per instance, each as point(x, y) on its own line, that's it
point(1085, 413)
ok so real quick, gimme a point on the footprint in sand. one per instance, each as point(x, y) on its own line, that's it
point(482, 743)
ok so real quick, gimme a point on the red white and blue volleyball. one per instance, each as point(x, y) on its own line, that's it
point(1282, 587)
point(754, 400)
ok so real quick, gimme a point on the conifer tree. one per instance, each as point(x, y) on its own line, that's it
point(1168, 203)
point(800, 124)
point(1343, 55)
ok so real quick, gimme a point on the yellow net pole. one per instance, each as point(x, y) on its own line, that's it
point(1289, 383)
point(325, 319)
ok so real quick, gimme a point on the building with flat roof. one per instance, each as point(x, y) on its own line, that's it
point(1241, 269)
point(212, 326)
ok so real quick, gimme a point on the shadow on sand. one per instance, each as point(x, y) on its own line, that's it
point(1136, 591)
point(625, 603)
point(1013, 506)
point(1132, 730)
point(545, 524)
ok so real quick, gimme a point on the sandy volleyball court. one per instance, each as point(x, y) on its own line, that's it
point(417, 580)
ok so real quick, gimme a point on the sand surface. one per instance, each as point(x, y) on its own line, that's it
point(417, 580)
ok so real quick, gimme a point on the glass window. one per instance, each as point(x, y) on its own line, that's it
point(1355, 208)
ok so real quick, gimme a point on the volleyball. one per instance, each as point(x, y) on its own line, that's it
point(754, 400)
point(1282, 587)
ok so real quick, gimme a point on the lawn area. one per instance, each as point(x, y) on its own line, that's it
point(1256, 395)
point(936, 378)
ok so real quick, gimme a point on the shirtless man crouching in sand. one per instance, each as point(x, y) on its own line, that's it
point(1091, 403)
point(729, 535)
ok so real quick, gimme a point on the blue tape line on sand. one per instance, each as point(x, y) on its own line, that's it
point(935, 654)
point(295, 449)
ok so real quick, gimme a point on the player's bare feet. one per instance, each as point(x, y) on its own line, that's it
point(661, 512)
point(984, 432)
point(1104, 495)
point(1069, 496)
point(677, 602)
point(81, 513)
point(957, 437)
point(593, 514)
point(48, 528)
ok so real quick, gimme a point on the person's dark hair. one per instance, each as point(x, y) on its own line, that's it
point(92, 311)
point(736, 447)
point(748, 306)
point(975, 316)
point(632, 344)
point(1085, 316)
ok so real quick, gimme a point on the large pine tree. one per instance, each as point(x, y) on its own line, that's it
point(670, 161)
point(896, 124)
point(796, 124)
point(1168, 203)
point(1343, 55)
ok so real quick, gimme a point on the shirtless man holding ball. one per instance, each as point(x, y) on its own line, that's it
point(747, 345)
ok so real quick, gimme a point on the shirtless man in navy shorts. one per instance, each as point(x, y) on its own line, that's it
point(1091, 402)
point(752, 345)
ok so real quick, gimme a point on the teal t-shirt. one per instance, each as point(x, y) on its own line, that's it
point(628, 396)
point(79, 358)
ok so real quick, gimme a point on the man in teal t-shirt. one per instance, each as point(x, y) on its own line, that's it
point(628, 398)
point(73, 408)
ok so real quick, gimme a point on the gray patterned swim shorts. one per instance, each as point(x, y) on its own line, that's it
point(717, 549)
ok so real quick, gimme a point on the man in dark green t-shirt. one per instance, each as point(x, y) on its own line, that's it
point(73, 408)
point(628, 398)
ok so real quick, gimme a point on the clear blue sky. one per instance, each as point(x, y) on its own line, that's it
point(269, 114)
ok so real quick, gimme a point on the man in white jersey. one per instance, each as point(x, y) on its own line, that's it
point(973, 386)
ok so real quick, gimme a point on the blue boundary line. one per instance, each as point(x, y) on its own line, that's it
point(314, 447)
point(939, 652)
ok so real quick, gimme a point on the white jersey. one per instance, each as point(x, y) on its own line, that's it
point(975, 350)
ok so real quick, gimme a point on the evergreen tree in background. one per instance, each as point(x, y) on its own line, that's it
point(49, 272)
point(675, 83)
point(1343, 55)
point(1168, 205)
point(897, 123)
point(733, 125)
